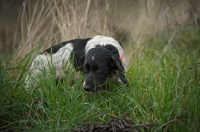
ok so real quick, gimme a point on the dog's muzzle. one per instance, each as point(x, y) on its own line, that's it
point(89, 88)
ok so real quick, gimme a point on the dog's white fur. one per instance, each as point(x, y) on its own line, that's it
point(43, 63)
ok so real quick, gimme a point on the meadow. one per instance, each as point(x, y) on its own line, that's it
point(163, 50)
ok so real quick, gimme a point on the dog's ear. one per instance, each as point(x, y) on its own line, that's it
point(116, 64)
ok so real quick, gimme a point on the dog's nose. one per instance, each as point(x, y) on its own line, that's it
point(87, 88)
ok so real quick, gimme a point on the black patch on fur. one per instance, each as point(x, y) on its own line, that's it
point(78, 53)
point(55, 48)
point(113, 50)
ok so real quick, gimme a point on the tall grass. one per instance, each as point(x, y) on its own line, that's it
point(162, 89)
point(163, 74)
point(45, 23)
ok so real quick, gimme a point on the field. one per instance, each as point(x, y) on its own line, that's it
point(162, 45)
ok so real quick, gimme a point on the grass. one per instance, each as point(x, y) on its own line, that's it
point(164, 81)
point(163, 89)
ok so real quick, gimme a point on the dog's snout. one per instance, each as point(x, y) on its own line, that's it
point(87, 88)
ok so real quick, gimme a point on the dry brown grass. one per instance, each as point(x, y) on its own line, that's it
point(46, 23)
point(50, 22)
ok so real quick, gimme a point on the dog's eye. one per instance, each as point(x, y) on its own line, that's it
point(85, 70)
point(97, 68)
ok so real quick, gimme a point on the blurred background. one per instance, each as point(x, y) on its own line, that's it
point(138, 24)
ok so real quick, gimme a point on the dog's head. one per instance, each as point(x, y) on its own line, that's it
point(100, 63)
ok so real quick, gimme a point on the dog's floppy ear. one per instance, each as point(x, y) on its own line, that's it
point(115, 62)
point(117, 65)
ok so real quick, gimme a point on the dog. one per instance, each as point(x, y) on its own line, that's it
point(98, 58)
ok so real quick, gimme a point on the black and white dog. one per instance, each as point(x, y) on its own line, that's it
point(99, 58)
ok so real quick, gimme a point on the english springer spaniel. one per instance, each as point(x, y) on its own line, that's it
point(98, 58)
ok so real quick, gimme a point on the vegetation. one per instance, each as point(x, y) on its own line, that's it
point(164, 76)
